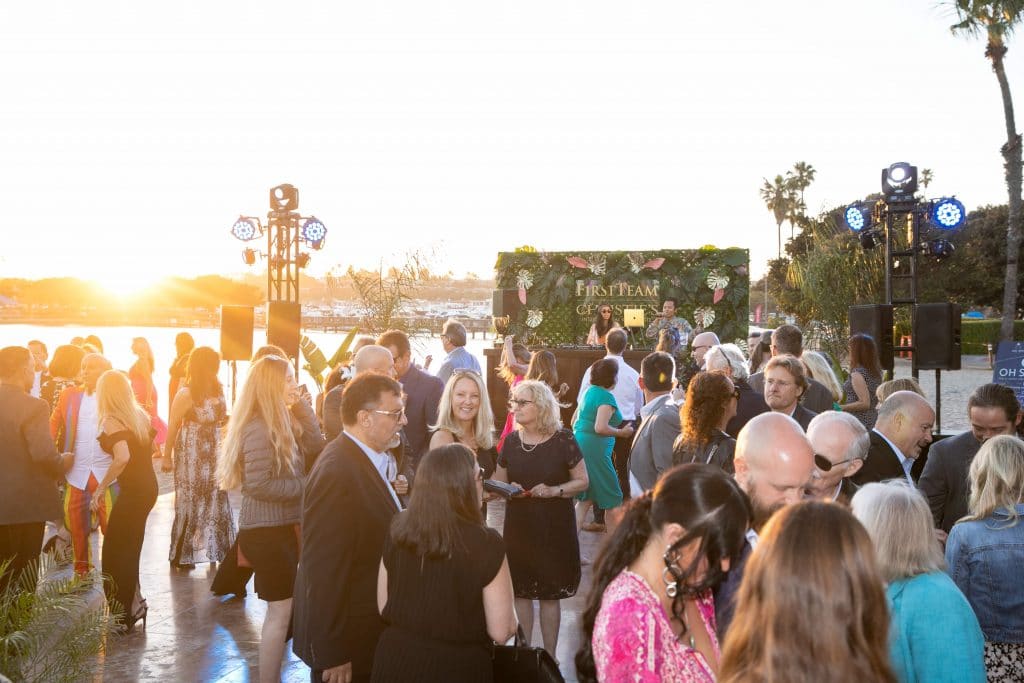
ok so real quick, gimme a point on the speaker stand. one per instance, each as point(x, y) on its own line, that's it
point(234, 381)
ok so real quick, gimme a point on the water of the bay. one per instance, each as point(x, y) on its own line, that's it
point(117, 343)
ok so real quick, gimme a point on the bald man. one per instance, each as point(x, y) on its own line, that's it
point(902, 431)
point(369, 358)
point(840, 445)
point(774, 463)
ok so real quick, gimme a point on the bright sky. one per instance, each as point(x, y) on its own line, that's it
point(132, 134)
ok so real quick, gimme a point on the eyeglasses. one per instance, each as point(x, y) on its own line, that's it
point(518, 403)
point(702, 346)
point(824, 464)
point(778, 383)
point(396, 414)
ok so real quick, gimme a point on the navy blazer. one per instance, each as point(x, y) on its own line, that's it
point(347, 512)
point(423, 394)
point(882, 463)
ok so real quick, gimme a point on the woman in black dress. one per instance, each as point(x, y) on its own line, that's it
point(444, 587)
point(540, 528)
point(127, 435)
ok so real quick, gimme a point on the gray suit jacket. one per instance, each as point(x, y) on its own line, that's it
point(817, 398)
point(29, 459)
point(944, 479)
point(652, 444)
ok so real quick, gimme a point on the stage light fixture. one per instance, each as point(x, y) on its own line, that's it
point(899, 179)
point(870, 239)
point(313, 231)
point(246, 229)
point(948, 213)
point(302, 260)
point(940, 249)
point(859, 217)
point(284, 198)
point(249, 256)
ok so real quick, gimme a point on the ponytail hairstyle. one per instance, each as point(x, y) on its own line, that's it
point(711, 508)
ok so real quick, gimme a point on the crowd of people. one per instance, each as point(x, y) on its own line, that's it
point(762, 520)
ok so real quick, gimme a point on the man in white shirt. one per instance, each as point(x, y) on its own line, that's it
point(39, 356)
point(903, 429)
point(841, 445)
point(629, 398)
point(75, 424)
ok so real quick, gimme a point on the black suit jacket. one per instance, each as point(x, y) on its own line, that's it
point(803, 416)
point(944, 479)
point(423, 393)
point(28, 458)
point(346, 515)
point(749, 405)
point(882, 463)
point(727, 591)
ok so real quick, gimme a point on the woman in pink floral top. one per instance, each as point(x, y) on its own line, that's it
point(650, 615)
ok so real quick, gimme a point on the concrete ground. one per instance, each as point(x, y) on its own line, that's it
point(192, 635)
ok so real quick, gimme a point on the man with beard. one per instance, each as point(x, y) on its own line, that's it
point(774, 461)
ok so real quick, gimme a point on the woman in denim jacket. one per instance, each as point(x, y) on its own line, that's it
point(985, 553)
point(934, 637)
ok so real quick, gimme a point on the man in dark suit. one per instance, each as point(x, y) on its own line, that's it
point(30, 463)
point(840, 445)
point(774, 461)
point(903, 429)
point(422, 394)
point(785, 385)
point(651, 453)
point(788, 339)
point(728, 359)
point(347, 511)
point(993, 409)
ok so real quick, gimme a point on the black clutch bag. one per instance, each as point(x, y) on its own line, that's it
point(502, 489)
point(520, 663)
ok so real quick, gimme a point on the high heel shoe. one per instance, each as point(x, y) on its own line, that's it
point(142, 613)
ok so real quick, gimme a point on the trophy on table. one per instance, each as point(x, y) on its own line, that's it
point(501, 326)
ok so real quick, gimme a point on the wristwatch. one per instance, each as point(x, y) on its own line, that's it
point(560, 492)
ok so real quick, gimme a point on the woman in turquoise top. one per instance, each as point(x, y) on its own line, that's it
point(935, 636)
point(596, 437)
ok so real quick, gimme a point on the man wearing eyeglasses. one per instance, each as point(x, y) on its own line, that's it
point(785, 384)
point(348, 505)
point(841, 446)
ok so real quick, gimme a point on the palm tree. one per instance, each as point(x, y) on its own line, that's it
point(778, 197)
point(926, 178)
point(800, 178)
point(996, 20)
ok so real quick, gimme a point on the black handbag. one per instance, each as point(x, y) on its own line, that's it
point(520, 663)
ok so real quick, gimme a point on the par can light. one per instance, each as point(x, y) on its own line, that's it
point(948, 213)
point(859, 217)
point(313, 230)
point(246, 229)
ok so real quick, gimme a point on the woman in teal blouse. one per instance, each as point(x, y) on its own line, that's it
point(934, 635)
point(596, 437)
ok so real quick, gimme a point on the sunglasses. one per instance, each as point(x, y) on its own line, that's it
point(824, 464)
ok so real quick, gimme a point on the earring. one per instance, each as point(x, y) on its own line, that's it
point(668, 576)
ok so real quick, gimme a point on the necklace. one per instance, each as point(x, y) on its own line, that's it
point(534, 446)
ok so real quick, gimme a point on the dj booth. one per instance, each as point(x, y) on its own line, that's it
point(572, 361)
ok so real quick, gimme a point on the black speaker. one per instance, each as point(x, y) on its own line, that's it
point(284, 321)
point(875, 320)
point(236, 332)
point(505, 302)
point(937, 337)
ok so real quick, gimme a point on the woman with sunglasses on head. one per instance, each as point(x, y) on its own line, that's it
point(650, 615)
point(261, 455)
point(464, 416)
point(604, 321)
point(540, 526)
point(444, 587)
point(711, 401)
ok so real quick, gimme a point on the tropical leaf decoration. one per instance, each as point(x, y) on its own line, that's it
point(343, 355)
point(655, 263)
point(316, 362)
point(577, 262)
point(534, 318)
point(599, 265)
point(704, 317)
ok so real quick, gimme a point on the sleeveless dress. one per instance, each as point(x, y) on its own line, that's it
point(145, 394)
point(633, 638)
point(597, 449)
point(204, 528)
point(126, 525)
point(869, 416)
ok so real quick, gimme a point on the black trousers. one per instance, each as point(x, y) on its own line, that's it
point(20, 544)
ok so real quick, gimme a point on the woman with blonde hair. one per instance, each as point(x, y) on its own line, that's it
point(464, 416)
point(126, 434)
point(141, 376)
point(540, 529)
point(985, 551)
point(819, 368)
point(934, 633)
point(812, 604)
point(261, 455)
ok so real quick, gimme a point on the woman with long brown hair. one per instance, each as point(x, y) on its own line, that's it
point(865, 376)
point(604, 322)
point(650, 614)
point(544, 368)
point(444, 587)
point(710, 403)
point(812, 605)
